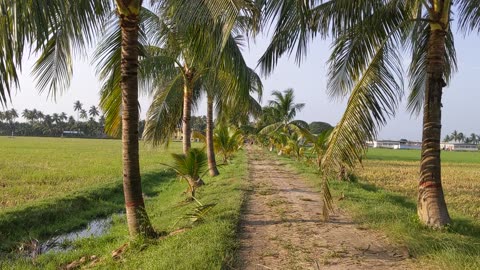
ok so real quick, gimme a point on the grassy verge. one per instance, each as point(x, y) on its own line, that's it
point(394, 213)
point(210, 244)
point(50, 186)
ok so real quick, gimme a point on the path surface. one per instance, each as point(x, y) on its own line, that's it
point(283, 228)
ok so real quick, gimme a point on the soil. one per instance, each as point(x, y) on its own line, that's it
point(283, 228)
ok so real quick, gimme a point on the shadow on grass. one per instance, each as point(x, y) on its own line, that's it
point(396, 214)
point(72, 212)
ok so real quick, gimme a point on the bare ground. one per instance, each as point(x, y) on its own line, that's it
point(283, 228)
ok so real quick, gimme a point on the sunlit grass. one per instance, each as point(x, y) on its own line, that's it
point(208, 245)
point(36, 169)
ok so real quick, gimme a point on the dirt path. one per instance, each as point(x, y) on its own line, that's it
point(283, 228)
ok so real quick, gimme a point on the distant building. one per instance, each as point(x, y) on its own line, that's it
point(401, 144)
point(449, 146)
point(72, 133)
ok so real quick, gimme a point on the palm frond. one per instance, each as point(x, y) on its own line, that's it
point(373, 98)
point(355, 48)
point(227, 141)
point(293, 31)
point(192, 164)
point(301, 129)
point(55, 33)
point(111, 104)
point(272, 128)
point(469, 15)
point(54, 68)
point(165, 113)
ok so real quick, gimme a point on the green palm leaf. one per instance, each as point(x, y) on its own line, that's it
point(165, 113)
point(373, 98)
point(469, 15)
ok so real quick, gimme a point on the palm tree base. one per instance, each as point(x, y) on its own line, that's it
point(431, 207)
point(139, 223)
point(214, 171)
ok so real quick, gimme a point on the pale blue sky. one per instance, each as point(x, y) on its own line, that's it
point(460, 108)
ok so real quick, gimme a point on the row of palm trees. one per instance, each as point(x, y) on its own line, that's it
point(194, 45)
point(176, 65)
point(460, 137)
point(369, 42)
point(278, 130)
point(94, 111)
point(41, 124)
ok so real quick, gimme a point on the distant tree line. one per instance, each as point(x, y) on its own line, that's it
point(88, 123)
point(456, 136)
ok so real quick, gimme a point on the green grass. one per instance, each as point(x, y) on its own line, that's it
point(414, 155)
point(381, 200)
point(208, 245)
point(35, 169)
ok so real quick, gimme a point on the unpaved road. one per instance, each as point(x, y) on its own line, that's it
point(283, 228)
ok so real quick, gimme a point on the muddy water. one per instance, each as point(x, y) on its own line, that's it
point(62, 242)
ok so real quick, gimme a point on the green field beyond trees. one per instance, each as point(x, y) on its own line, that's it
point(414, 155)
point(51, 186)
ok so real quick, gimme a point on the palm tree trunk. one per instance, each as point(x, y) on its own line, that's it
point(187, 112)
point(212, 164)
point(137, 218)
point(431, 208)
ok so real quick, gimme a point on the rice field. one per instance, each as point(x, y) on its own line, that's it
point(45, 169)
point(398, 170)
point(53, 186)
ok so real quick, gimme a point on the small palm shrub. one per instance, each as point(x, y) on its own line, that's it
point(191, 167)
point(295, 146)
point(227, 141)
point(319, 145)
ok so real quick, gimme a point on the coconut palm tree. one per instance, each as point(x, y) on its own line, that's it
point(179, 72)
point(71, 121)
point(284, 110)
point(93, 111)
point(77, 107)
point(27, 115)
point(63, 117)
point(366, 66)
point(10, 116)
point(454, 136)
point(56, 118)
point(320, 144)
point(170, 66)
point(48, 121)
point(473, 138)
point(55, 33)
point(227, 141)
point(83, 114)
point(128, 12)
point(230, 106)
